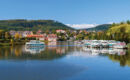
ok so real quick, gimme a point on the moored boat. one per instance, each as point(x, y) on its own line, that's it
point(120, 45)
point(35, 43)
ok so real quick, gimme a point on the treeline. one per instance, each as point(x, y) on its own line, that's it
point(32, 25)
point(117, 31)
point(102, 27)
point(120, 31)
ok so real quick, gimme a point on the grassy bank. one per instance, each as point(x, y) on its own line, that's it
point(5, 44)
point(8, 43)
point(128, 45)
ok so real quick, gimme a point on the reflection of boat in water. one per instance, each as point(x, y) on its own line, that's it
point(117, 51)
point(34, 46)
point(105, 44)
point(34, 43)
point(95, 51)
point(52, 43)
point(78, 43)
point(34, 50)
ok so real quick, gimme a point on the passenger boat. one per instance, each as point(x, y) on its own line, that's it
point(35, 43)
point(111, 43)
point(87, 43)
point(120, 45)
point(78, 43)
point(95, 43)
point(104, 43)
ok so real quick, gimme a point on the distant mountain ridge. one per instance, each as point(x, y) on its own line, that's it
point(102, 27)
point(21, 24)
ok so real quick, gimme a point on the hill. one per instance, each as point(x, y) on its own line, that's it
point(102, 27)
point(21, 24)
point(120, 32)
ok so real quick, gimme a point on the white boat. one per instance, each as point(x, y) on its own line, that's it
point(104, 43)
point(78, 43)
point(34, 50)
point(119, 45)
point(111, 43)
point(35, 43)
point(95, 43)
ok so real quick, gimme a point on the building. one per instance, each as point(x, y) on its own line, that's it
point(43, 38)
point(52, 37)
point(25, 33)
point(12, 32)
point(39, 32)
point(35, 36)
point(22, 33)
point(60, 31)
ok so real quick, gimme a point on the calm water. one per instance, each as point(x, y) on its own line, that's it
point(63, 62)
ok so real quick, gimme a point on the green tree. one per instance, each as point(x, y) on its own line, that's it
point(17, 36)
point(80, 37)
point(128, 22)
point(7, 35)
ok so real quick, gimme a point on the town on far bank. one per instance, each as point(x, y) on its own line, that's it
point(14, 37)
point(20, 37)
point(14, 32)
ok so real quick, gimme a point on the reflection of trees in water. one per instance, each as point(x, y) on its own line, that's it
point(123, 59)
point(18, 52)
point(49, 53)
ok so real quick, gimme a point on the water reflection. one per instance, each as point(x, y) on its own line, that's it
point(43, 53)
point(116, 55)
point(63, 49)
point(96, 51)
point(34, 50)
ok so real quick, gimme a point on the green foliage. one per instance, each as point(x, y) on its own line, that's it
point(61, 37)
point(120, 32)
point(102, 27)
point(7, 35)
point(80, 36)
point(128, 45)
point(33, 25)
point(128, 22)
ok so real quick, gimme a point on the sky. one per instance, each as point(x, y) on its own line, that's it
point(72, 12)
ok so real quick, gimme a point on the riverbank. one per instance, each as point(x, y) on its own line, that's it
point(128, 46)
point(22, 42)
point(7, 43)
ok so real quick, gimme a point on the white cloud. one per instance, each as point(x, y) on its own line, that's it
point(82, 26)
point(110, 22)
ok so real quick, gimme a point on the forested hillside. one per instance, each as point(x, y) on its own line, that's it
point(102, 27)
point(120, 31)
point(32, 25)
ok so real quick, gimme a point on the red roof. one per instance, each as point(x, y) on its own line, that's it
point(37, 36)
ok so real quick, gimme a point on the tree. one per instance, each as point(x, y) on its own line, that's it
point(80, 36)
point(7, 35)
point(86, 37)
point(122, 22)
point(128, 22)
point(17, 36)
point(1, 33)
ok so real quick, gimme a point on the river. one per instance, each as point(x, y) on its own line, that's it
point(63, 61)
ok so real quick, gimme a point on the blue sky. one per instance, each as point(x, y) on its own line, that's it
point(67, 11)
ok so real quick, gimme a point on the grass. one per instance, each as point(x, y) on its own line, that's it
point(5, 44)
point(128, 45)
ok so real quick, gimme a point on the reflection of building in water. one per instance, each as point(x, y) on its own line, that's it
point(95, 51)
point(80, 54)
point(52, 43)
point(60, 50)
point(34, 50)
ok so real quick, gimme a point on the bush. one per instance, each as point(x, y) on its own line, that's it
point(128, 45)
